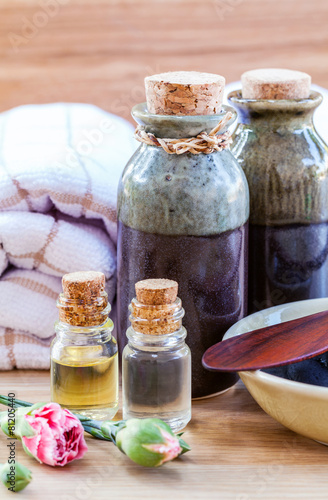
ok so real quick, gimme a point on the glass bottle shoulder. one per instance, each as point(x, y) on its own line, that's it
point(81, 346)
point(152, 346)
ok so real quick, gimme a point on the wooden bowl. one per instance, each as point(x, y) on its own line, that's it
point(299, 406)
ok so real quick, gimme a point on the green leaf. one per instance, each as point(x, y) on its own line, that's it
point(185, 446)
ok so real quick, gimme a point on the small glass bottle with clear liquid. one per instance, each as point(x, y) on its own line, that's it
point(84, 358)
point(156, 363)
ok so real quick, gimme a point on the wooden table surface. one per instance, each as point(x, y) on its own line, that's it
point(238, 453)
point(99, 51)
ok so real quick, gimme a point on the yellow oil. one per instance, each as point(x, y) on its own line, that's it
point(86, 382)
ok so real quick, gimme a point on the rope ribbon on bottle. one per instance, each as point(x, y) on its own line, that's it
point(202, 143)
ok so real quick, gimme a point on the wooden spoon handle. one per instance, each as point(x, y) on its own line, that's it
point(275, 345)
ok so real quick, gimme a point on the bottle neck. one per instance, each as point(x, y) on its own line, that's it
point(82, 335)
point(84, 313)
point(167, 342)
point(276, 115)
point(178, 127)
point(155, 327)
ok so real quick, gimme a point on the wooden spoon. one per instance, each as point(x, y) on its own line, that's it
point(275, 345)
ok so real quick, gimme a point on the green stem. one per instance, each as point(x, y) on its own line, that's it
point(110, 429)
point(18, 402)
point(94, 432)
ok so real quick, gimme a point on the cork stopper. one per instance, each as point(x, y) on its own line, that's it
point(157, 310)
point(275, 84)
point(84, 301)
point(184, 93)
point(83, 285)
point(156, 291)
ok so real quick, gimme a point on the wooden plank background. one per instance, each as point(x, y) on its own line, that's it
point(99, 51)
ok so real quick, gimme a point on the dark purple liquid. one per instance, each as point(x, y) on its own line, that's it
point(287, 263)
point(212, 276)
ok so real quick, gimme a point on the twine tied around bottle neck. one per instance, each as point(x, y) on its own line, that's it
point(202, 143)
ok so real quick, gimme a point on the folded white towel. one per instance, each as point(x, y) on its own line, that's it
point(27, 302)
point(54, 246)
point(59, 169)
point(21, 350)
point(64, 156)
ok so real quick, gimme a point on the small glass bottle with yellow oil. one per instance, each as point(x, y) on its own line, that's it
point(84, 359)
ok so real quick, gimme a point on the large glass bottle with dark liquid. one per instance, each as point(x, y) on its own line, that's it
point(184, 217)
point(286, 165)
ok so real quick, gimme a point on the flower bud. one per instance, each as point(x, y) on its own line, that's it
point(15, 477)
point(149, 442)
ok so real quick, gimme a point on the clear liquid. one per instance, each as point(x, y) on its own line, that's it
point(84, 383)
point(157, 384)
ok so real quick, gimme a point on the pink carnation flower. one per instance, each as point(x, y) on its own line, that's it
point(58, 435)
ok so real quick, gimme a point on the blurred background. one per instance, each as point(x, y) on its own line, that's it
point(99, 51)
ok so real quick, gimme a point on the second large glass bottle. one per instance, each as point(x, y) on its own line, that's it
point(286, 165)
point(184, 217)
